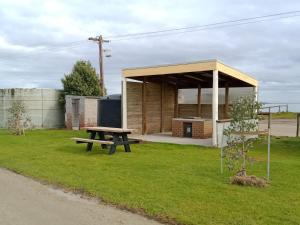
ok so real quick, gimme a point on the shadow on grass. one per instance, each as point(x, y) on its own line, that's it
point(80, 149)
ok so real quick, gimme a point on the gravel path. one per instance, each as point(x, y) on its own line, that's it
point(27, 202)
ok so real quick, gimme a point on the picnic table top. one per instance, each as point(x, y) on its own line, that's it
point(109, 129)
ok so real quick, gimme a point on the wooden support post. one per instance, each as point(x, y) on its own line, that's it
point(215, 106)
point(226, 101)
point(144, 107)
point(176, 102)
point(199, 101)
point(162, 102)
point(124, 103)
point(255, 90)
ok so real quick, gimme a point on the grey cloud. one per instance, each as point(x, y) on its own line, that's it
point(269, 50)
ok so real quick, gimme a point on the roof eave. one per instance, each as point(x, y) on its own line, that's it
point(200, 66)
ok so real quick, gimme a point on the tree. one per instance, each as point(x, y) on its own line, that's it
point(82, 81)
point(18, 119)
point(241, 134)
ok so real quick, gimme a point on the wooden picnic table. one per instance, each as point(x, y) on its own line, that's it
point(117, 136)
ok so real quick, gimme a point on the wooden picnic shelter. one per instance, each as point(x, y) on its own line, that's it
point(150, 94)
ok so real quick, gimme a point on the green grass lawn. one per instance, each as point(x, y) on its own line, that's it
point(283, 115)
point(163, 180)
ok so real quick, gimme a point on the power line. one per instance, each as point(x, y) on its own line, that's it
point(167, 32)
point(228, 23)
point(205, 25)
point(216, 25)
point(197, 30)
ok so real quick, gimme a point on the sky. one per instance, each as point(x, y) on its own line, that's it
point(41, 40)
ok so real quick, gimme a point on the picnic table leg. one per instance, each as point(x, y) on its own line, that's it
point(102, 137)
point(90, 145)
point(114, 145)
point(126, 145)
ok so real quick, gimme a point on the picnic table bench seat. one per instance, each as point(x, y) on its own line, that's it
point(86, 140)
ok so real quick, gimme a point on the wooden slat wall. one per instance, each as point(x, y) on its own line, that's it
point(186, 110)
point(169, 107)
point(153, 107)
point(134, 106)
point(153, 101)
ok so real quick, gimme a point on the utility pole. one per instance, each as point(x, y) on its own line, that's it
point(100, 41)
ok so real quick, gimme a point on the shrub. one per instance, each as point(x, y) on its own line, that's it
point(18, 119)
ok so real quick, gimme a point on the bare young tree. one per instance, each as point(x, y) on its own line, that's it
point(18, 119)
point(241, 134)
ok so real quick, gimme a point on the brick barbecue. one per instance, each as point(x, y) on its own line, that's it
point(192, 127)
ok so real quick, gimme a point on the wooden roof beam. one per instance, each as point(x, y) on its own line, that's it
point(195, 78)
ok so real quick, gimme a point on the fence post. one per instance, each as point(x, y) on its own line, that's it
point(297, 132)
point(269, 144)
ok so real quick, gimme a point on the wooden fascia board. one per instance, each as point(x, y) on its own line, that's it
point(236, 74)
point(170, 69)
point(192, 67)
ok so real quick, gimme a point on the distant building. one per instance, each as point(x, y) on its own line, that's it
point(81, 111)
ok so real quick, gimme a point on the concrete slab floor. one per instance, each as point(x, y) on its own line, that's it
point(168, 138)
point(279, 127)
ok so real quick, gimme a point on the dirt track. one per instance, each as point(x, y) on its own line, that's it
point(27, 202)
